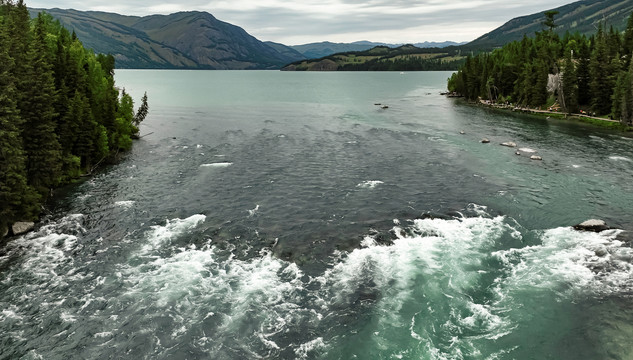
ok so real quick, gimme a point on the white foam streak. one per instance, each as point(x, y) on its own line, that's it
point(175, 227)
point(571, 262)
point(217, 165)
point(126, 204)
point(619, 158)
point(253, 211)
point(305, 349)
point(369, 184)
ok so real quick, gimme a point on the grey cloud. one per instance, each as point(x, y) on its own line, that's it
point(360, 17)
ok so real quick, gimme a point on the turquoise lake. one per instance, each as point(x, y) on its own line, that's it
point(287, 215)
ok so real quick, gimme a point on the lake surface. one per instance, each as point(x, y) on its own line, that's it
point(281, 215)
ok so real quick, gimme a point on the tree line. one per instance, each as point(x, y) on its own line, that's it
point(60, 112)
point(574, 72)
point(406, 63)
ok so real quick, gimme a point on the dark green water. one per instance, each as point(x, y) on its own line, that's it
point(273, 215)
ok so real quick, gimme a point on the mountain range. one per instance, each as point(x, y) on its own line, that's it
point(197, 40)
point(190, 40)
point(580, 16)
point(322, 49)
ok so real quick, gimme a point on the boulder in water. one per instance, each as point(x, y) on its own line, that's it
point(485, 141)
point(601, 252)
point(509, 144)
point(536, 157)
point(434, 215)
point(592, 225)
point(5, 232)
point(22, 227)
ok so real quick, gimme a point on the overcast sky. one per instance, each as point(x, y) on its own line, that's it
point(304, 21)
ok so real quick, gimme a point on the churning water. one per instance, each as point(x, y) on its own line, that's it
point(271, 215)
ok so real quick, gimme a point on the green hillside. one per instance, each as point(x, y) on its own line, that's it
point(185, 40)
point(383, 58)
point(326, 48)
point(581, 16)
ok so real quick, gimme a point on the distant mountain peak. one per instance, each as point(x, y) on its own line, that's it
point(580, 16)
point(183, 40)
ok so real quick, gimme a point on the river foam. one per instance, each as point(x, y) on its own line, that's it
point(620, 158)
point(442, 289)
point(370, 184)
point(217, 165)
point(431, 264)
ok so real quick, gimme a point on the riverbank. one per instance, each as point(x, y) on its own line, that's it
point(584, 118)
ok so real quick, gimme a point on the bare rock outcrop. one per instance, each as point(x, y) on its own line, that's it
point(592, 225)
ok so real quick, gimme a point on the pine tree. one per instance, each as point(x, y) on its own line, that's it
point(614, 43)
point(621, 97)
point(17, 200)
point(627, 113)
point(540, 74)
point(62, 71)
point(601, 77)
point(40, 141)
point(19, 37)
point(549, 20)
point(569, 96)
point(85, 128)
point(584, 74)
point(627, 43)
point(124, 123)
point(142, 112)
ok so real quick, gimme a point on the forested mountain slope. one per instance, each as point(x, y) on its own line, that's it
point(185, 40)
point(581, 16)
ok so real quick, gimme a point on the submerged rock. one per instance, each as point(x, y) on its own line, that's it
point(601, 252)
point(22, 227)
point(509, 144)
point(592, 225)
point(435, 215)
point(5, 232)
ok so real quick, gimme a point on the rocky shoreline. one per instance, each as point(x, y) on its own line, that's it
point(583, 117)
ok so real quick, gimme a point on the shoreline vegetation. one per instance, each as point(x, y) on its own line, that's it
point(61, 115)
point(383, 58)
point(589, 79)
point(584, 118)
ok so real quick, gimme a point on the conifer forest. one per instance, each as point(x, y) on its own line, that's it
point(573, 73)
point(61, 115)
